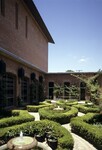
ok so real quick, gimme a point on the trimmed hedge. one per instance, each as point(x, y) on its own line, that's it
point(67, 102)
point(81, 126)
point(61, 117)
point(87, 108)
point(35, 108)
point(18, 117)
point(65, 140)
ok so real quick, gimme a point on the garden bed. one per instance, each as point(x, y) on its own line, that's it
point(85, 108)
point(18, 117)
point(83, 126)
point(60, 116)
point(65, 140)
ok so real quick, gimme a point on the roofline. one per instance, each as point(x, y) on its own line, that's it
point(51, 73)
point(31, 6)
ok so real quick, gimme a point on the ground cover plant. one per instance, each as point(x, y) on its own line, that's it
point(65, 140)
point(84, 126)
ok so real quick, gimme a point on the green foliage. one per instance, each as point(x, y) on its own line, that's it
point(87, 108)
point(34, 108)
point(81, 126)
point(17, 117)
point(92, 87)
point(61, 117)
point(58, 90)
point(40, 92)
point(65, 140)
point(67, 102)
point(73, 91)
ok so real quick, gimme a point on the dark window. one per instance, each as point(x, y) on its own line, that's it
point(7, 90)
point(51, 88)
point(26, 26)
point(24, 90)
point(16, 15)
point(82, 90)
point(51, 84)
point(2, 7)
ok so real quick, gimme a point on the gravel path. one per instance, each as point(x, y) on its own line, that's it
point(79, 143)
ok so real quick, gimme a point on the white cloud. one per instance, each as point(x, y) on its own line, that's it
point(82, 60)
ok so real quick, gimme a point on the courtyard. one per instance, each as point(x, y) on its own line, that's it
point(72, 124)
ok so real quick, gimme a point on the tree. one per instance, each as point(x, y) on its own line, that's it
point(69, 71)
point(73, 91)
point(92, 87)
point(58, 90)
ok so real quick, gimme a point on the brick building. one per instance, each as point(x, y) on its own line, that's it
point(24, 40)
point(68, 79)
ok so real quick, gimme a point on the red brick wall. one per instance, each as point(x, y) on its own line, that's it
point(34, 48)
point(60, 78)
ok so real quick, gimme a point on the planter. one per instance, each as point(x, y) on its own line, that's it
point(40, 138)
point(52, 142)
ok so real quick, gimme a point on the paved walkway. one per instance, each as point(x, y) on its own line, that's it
point(79, 143)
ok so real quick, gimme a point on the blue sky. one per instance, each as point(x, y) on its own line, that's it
point(76, 27)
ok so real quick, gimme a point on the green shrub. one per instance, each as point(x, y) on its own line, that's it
point(87, 108)
point(67, 102)
point(65, 140)
point(81, 126)
point(18, 117)
point(61, 117)
point(32, 108)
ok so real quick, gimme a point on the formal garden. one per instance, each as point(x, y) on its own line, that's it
point(53, 114)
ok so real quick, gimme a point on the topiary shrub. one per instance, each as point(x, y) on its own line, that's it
point(87, 108)
point(81, 126)
point(35, 108)
point(18, 117)
point(67, 102)
point(65, 140)
point(60, 116)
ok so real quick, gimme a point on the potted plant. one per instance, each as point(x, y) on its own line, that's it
point(52, 139)
point(40, 135)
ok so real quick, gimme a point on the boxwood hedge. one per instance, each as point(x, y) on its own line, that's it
point(18, 117)
point(87, 108)
point(35, 108)
point(61, 117)
point(81, 126)
point(67, 102)
point(65, 140)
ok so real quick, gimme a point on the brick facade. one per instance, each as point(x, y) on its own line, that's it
point(24, 42)
point(34, 48)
